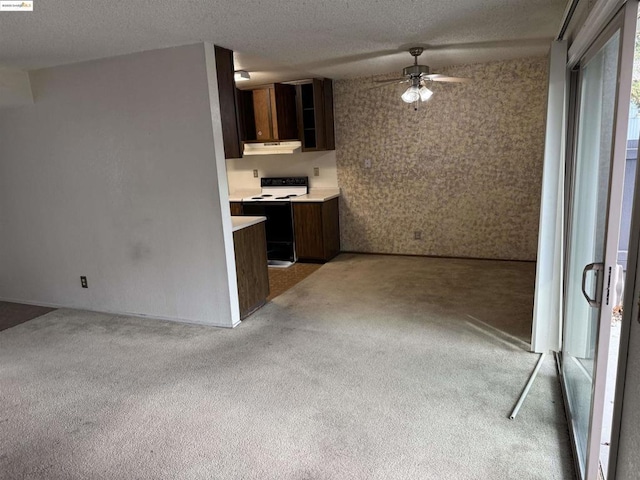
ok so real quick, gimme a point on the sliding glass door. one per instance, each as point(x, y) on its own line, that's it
point(593, 226)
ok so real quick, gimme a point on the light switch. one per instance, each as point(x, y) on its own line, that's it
point(367, 163)
point(255, 174)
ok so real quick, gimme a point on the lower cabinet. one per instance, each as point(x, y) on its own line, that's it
point(250, 245)
point(236, 208)
point(317, 230)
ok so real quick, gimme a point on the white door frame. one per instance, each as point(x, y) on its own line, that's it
point(625, 20)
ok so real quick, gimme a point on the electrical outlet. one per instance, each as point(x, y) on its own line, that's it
point(255, 174)
point(367, 163)
point(83, 282)
point(316, 172)
point(417, 235)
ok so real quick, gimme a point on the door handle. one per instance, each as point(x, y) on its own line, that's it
point(595, 267)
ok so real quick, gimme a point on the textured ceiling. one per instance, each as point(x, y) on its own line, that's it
point(284, 40)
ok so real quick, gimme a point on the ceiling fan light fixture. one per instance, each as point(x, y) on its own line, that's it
point(411, 95)
point(425, 93)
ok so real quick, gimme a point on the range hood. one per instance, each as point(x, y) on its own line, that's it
point(272, 148)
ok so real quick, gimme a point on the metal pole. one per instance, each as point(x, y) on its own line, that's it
point(527, 387)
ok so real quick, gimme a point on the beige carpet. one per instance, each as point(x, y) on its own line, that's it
point(370, 368)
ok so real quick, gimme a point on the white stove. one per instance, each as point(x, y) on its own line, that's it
point(274, 202)
point(280, 189)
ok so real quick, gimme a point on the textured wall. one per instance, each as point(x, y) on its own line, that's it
point(465, 169)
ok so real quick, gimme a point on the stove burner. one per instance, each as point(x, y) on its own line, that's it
point(256, 198)
point(284, 198)
point(267, 195)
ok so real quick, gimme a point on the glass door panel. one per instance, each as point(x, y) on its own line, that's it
point(587, 234)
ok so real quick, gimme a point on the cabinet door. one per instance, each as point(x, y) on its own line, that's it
point(329, 132)
point(228, 103)
point(318, 108)
point(236, 208)
point(246, 117)
point(285, 122)
point(262, 113)
point(331, 228)
point(307, 220)
point(250, 245)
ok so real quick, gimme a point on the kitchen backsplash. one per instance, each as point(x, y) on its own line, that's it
point(240, 171)
point(464, 170)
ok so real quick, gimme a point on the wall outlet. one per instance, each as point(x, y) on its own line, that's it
point(316, 172)
point(255, 174)
point(83, 282)
point(367, 163)
point(417, 235)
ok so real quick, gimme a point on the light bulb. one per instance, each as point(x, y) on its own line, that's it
point(425, 93)
point(411, 95)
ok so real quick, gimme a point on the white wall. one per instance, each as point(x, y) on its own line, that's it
point(15, 88)
point(112, 174)
point(240, 171)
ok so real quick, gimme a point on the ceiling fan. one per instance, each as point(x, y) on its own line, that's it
point(417, 76)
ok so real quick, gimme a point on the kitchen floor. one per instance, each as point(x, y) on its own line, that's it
point(282, 279)
point(12, 314)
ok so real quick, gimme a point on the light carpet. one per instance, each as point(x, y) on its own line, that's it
point(370, 368)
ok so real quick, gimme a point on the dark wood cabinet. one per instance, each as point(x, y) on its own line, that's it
point(252, 273)
point(314, 104)
point(246, 117)
point(275, 112)
point(317, 230)
point(272, 110)
point(228, 103)
point(236, 208)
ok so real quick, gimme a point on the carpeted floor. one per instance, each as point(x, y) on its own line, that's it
point(373, 367)
point(12, 314)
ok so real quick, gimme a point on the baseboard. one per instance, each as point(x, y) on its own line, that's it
point(125, 314)
point(437, 256)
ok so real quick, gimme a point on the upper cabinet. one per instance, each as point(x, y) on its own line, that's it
point(228, 103)
point(315, 115)
point(300, 110)
point(274, 113)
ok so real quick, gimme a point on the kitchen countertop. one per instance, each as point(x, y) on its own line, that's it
point(318, 195)
point(240, 222)
point(314, 195)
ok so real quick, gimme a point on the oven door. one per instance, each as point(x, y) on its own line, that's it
point(279, 227)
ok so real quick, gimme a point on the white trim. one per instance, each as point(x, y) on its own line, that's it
point(601, 14)
point(619, 155)
point(223, 186)
point(547, 308)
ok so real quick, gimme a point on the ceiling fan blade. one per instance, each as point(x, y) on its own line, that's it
point(385, 83)
point(393, 80)
point(436, 77)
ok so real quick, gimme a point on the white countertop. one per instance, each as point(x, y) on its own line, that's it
point(314, 195)
point(240, 222)
point(318, 195)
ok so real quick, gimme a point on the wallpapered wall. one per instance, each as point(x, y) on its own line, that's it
point(464, 170)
